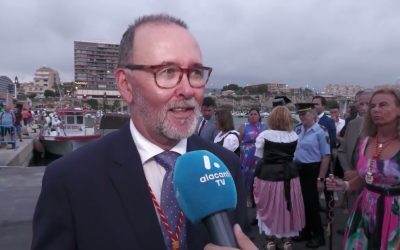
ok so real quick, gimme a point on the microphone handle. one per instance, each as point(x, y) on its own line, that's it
point(220, 229)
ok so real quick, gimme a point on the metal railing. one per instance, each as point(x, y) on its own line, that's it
point(8, 135)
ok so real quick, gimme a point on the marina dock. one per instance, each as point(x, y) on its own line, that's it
point(22, 154)
point(20, 187)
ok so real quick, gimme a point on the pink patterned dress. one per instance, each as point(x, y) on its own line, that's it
point(375, 222)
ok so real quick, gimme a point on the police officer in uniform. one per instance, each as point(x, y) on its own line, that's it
point(312, 157)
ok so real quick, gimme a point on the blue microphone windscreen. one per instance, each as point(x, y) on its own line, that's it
point(203, 185)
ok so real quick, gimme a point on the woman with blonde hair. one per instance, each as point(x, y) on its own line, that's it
point(375, 219)
point(277, 190)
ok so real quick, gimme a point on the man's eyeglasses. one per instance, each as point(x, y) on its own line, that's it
point(168, 76)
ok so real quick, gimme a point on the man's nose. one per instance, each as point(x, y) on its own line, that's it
point(184, 88)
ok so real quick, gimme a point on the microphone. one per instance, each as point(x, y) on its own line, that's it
point(205, 191)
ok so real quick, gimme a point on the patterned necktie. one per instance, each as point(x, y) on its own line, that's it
point(203, 122)
point(169, 204)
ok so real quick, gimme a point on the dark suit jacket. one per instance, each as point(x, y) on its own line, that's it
point(329, 124)
point(97, 198)
point(209, 131)
point(347, 152)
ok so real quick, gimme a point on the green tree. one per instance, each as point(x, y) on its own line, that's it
point(93, 103)
point(116, 105)
point(49, 93)
point(331, 103)
point(262, 89)
point(233, 87)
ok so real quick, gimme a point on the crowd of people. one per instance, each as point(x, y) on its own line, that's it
point(112, 194)
point(286, 168)
point(12, 121)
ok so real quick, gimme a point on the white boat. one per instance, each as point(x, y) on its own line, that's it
point(264, 114)
point(235, 113)
point(239, 114)
point(68, 129)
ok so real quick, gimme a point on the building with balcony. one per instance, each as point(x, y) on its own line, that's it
point(94, 65)
point(277, 88)
point(45, 78)
point(346, 90)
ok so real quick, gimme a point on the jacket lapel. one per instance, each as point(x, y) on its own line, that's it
point(127, 177)
point(196, 234)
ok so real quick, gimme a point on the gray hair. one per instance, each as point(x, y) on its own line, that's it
point(363, 92)
point(126, 44)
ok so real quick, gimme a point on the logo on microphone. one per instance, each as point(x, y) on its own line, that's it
point(207, 163)
point(218, 177)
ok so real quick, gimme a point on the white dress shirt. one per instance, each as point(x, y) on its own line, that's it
point(339, 125)
point(153, 171)
point(320, 116)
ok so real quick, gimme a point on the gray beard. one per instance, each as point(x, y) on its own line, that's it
point(158, 120)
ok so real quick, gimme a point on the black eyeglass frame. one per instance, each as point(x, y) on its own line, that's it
point(155, 68)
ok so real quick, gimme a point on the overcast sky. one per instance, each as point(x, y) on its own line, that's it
point(296, 42)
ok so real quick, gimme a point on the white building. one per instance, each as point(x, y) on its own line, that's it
point(45, 79)
point(347, 90)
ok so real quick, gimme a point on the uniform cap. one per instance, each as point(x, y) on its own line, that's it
point(304, 106)
point(280, 100)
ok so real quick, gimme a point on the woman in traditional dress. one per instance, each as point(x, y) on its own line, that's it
point(248, 134)
point(375, 222)
point(227, 137)
point(277, 190)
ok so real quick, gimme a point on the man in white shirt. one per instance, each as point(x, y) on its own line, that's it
point(335, 115)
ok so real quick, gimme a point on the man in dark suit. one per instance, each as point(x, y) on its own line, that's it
point(328, 125)
point(100, 196)
point(324, 120)
point(206, 126)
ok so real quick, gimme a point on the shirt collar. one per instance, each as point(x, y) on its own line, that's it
point(316, 125)
point(321, 115)
point(147, 150)
point(312, 128)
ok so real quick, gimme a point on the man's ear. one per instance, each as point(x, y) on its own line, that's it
point(124, 87)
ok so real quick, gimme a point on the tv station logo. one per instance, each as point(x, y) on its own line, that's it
point(216, 174)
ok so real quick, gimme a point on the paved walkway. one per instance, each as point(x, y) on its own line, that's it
point(7, 154)
point(19, 190)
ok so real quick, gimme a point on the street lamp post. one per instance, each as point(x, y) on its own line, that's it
point(15, 87)
point(121, 104)
point(104, 102)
